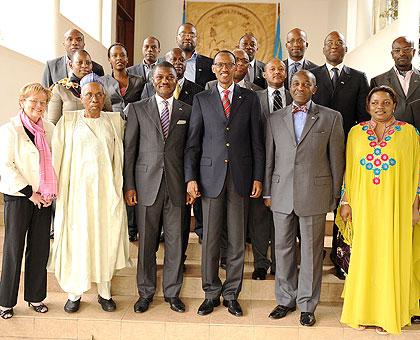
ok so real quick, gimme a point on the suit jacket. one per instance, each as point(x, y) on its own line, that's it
point(307, 65)
point(203, 72)
point(137, 70)
point(304, 177)
point(19, 159)
point(133, 93)
point(147, 155)
point(56, 69)
point(248, 85)
point(216, 143)
point(349, 96)
point(412, 114)
point(258, 74)
point(390, 79)
point(188, 91)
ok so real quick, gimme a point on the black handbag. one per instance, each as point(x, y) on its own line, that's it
point(343, 254)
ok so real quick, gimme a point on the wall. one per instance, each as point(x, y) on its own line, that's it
point(162, 18)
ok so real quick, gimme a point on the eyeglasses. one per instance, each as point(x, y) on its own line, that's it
point(35, 102)
point(189, 35)
point(331, 43)
point(242, 61)
point(90, 96)
point(222, 65)
point(405, 50)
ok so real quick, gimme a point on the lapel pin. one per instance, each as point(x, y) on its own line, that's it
point(200, 69)
point(312, 117)
point(180, 109)
point(239, 97)
point(342, 82)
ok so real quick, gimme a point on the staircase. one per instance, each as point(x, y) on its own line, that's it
point(159, 322)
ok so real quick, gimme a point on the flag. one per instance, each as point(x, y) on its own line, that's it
point(277, 40)
point(184, 12)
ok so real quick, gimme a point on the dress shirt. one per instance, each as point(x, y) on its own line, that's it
point(147, 68)
point(241, 83)
point(161, 105)
point(270, 91)
point(181, 82)
point(330, 67)
point(290, 63)
point(221, 89)
point(191, 67)
point(299, 120)
point(404, 81)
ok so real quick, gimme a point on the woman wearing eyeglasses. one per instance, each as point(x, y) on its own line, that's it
point(29, 185)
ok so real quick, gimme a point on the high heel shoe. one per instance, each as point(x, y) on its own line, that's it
point(41, 308)
point(6, 313)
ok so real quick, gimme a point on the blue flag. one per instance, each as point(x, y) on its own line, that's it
point(277, 40)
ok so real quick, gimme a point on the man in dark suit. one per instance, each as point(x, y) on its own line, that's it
point(198, 66)
point(296, 45)
point(412, 114)
point(224, 162)
point(242, 63)
point(249, 44)
point(260, 218)
point(404, 78)
point(151, 50)
point(154, 145)
point(343, 89)
point(58, 68)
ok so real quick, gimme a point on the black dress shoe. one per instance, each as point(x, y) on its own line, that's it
point(280, 312)
point(176, 304)
point(415, 319)
point(162, 237)
point(272, 272)
point(233, 307)
point(208, 306)
point(223, 263)
point(132, 237)
point(339, 273)
point(72, 306)
point(107, 305)
point(307, 319)
point(259, 274)
point(142, 305)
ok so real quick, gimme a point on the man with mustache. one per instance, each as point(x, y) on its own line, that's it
point(151, 50)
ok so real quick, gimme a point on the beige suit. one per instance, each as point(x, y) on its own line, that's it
point(303, 180)
point(18, 157)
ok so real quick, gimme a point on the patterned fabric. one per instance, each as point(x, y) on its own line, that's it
point(164, 119)
point(277, 102)
point(177, 91)
point(295, 67)
point(297, 108)
point(226, 103)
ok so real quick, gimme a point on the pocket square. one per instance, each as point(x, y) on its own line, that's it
point(181, 122)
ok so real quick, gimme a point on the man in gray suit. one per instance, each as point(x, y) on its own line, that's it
point(224, 162)
point(59, 68)
point(154, 182)
point(304, 172)
point(403, 77)
point(242, 63)
point(260, 218)
point(151, 50)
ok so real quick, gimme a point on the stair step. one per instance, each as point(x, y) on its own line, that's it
point(159, 322)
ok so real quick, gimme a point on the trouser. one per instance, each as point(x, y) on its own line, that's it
point(149, 221)
point(104, 290)
point(132, 224)
point(301, 289)
point(229, 202)
point(23, 219)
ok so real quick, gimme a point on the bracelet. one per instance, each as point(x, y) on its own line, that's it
point(344, 203)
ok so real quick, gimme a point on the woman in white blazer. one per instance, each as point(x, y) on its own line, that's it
point(29, 185)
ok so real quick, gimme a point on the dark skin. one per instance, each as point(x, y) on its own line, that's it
point(296, 44)
point(275, 73)
point(80, 64)
point(73, 41)
point(242, 62)
point(403, 52)
point(93, 99)
point(119, 60)
point(177, 58)
point(334, 48)
point(250, 44)
point(150, 50)
point(186, 39)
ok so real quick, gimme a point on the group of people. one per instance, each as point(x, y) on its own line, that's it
point(261, 151)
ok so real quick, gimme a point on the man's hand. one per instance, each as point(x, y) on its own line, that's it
point(131, 197)
point(267, 202)
point(37, 200)
point(192, 189)
point(256, 189)
point(345, 213)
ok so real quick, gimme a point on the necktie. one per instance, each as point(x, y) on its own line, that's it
point(248, 76)
point(177, 91)
point(297, 108)
point(335, 76)
point(277, 102)
point(226, 103)
point(164, 119)
point(295, 68)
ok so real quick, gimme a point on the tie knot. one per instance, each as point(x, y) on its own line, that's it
point(301, 108)
point(276, 92)
point(165, 102)
point(335, 69)
point(226, 92)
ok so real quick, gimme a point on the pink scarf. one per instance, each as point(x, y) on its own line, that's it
point(48, 180)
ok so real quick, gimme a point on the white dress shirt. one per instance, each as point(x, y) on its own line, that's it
point(230, 88)
point(161, 105)
point(270, 91)
point(330, 67)
point(191, 66)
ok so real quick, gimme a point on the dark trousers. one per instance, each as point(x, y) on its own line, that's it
point(198, 214)
point(150, 218)
point(229, 202)
point(132, 224)
point(23, 219)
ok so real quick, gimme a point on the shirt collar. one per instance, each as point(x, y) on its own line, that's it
point(193, 56)
point(149, 66)
point(373, 124)
point(272, 89)
point(252, 63)
point(241, 83)
point(290, 61)
point(181, 81)
point(339, 66)
point(308, 104)
point(398, 73)
point(221, 89)
point(160, 100)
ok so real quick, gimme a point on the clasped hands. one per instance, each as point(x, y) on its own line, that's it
point(39, 201)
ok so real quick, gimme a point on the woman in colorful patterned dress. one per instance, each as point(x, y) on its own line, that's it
point(379, 207)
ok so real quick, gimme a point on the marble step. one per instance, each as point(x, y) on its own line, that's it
point(159, 322)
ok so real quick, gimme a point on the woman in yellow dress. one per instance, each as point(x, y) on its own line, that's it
point(378, 210)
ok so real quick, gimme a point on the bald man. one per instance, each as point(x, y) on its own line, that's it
point(57, 69)
point(296, 45)
point(151, 50)
point(403, 77)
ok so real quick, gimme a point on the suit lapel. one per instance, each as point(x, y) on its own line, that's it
point(64, 62)
point(326, 79)
point(395, 83)
point(216, 102)
point(311, 118)
point(265, 102)
point(414, 83)
point(288, 119)
point(185, 90)
point(343, 79)
point(236, 101)
point(116, 86)
point(175, 115)
point(153, 113)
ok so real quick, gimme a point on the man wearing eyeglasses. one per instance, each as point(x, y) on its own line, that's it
point(198, 69)
point(224, 164)
point(343, 89)
point(403, 77)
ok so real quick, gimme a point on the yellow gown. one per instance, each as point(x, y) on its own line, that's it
point(381, 182)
